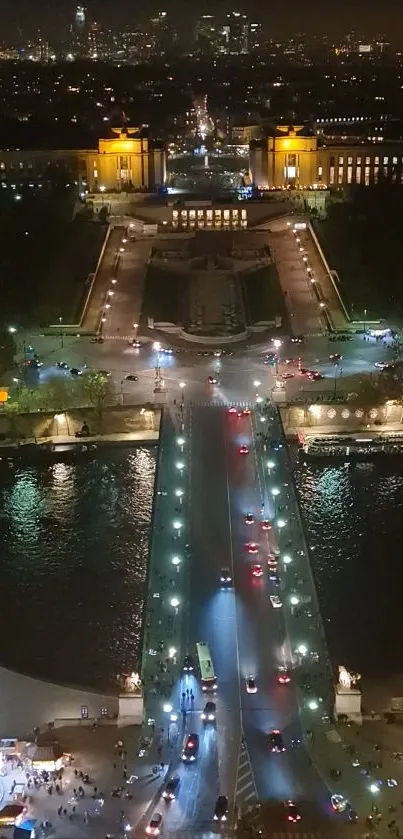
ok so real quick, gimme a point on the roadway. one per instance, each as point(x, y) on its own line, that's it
point(246, 635)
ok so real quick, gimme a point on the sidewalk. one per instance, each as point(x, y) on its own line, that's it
point(163, 639)
point(313, 675)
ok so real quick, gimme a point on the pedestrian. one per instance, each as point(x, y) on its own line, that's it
point(76, 773)
point(162, 765)
point(65, 812)
point(59, 811)
point(183, 696)
point(124, 774)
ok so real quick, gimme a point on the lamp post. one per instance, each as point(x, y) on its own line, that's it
point(275, 492)
point(182, 386)
point(135, 327)
point(365, 321)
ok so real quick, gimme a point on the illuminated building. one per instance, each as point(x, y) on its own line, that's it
point(80, 18)
point(128, 161)
point(209, 35)
point(294, 158)
point(236, 33)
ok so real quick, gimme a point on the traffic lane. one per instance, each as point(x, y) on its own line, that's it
point(127, 292)
point(198, 789)
point(263, 647)
point(212, 610)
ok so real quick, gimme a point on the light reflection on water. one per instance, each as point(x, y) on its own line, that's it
point(74, 544)
point(354, 518)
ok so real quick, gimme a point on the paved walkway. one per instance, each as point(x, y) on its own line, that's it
point(312, 670)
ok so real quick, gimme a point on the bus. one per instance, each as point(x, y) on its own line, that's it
point(208, 678)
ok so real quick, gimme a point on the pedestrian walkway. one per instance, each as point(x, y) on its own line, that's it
point(245, 787)
point(221, 404)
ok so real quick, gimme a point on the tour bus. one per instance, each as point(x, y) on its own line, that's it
point(208, 678)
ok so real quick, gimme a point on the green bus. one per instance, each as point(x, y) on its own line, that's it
point(208, 679)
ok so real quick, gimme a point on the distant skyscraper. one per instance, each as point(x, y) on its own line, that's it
point(236, 33)
point(80, 18)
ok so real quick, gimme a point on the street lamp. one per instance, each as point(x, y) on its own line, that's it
point(302, 649)
point(294, 600)
point(182, 386)
point(275, 492)
point(180, 466)
point(374, 789)
point(287, 559)
point(167, 707)
point(281, 523)
point(12, 329)
point(180, 441)
point(313, 705)
point(175, 603)
point(270, 465)
point(277, 343)
point(135, 327)
point(177, 525)
point(172, 653)
point(365, 321)
point(256, 383)
point(179, 494)
point(176, 561)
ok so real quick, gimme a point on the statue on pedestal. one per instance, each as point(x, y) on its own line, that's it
point(347, 680)
point(131, 684)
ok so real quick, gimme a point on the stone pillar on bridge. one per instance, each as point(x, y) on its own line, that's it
point(348, 696)
point(131, 702)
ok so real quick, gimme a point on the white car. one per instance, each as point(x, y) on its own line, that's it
point(384, 365)
point(251, 686)
point(338, 802)
point(275, 601)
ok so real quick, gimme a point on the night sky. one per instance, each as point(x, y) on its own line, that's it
point(284, 17)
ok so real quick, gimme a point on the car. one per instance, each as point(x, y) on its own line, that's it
point(104, 373)
point(171, 788)
point(136, 345)
point(74, 371)
point(62, 365)
point(257, 570)
point(154, 825)
point(335, 357)
point(246, 412)
point(252, 548)
point(166, 350)
point(232, 410)
point(287, 375)
point(34, 364)
point(97, 339)
point(338, 802)
point(217, 353)
point(188, 664)
point(243, 450)
point(131, 378)
point(283, 676)
point(239, 414)
point(276, 741)
point(249, 518)
point(275, 601)
point(251, 685)
point(297, 339)
point(384, 365)
point(272, 561)
point(266, 524)
point(314, 375)
point(208, 715)
point(274, 577)
point(212, 380)
point(190, 748)
point(221, 809)
point(225, 577)
point(292, 812)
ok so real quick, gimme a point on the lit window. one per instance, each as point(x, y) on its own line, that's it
point(366, 176)
point(349, 174)
point(394, 161)
point(2, 165)
point(104, 711)
point(376, 161)
point(350, 161)
point(331, 175)
point(340, 175)
point(385, 161)
point(358, 161)
point(341, 160)
point(320, 171)
point(376, 171)
point(84, 712)
point(95, 173)
point(367, 161)
point(358, 175)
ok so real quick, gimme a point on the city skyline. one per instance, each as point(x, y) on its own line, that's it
point(23, 19)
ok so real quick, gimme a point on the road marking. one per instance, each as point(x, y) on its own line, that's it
point(245, 790)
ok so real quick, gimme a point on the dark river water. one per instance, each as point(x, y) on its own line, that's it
point(354, 520)
point(73, 559)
